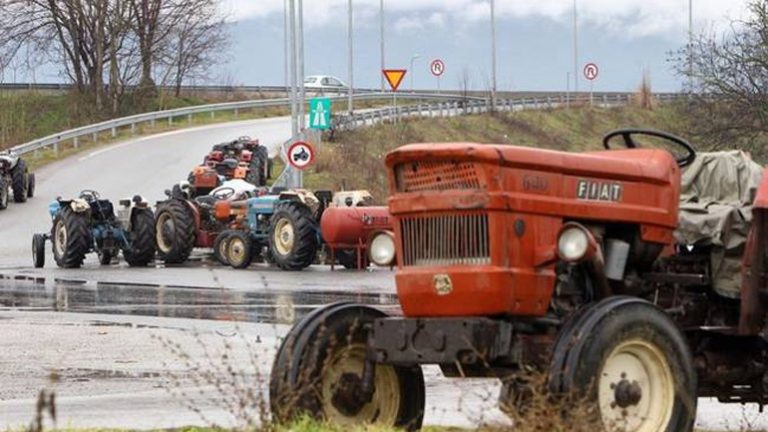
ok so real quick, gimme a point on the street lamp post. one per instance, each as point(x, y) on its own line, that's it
point(493, 54)
point(300, 68)
point(351, 57)
point(575, 48)
point(413, 58)
point(381, 28)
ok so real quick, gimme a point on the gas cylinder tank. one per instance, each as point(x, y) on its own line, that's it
point(352, 225)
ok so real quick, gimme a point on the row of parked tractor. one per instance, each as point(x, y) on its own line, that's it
point(224, 205)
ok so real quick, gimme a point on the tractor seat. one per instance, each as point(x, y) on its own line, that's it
point(716, 196)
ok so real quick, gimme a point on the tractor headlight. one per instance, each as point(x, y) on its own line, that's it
point(574, 242)
point(382, 249)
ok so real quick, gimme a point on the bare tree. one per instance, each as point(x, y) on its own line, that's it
point(728, 83)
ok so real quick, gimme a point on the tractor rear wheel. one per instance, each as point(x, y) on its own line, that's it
point(71, 238)
point(38, 250)
point(20, 183)
point(142, 247)
point(293, 235)
point(31, 186)
point(258, 168)
point(239, 250)
point(175, 230)
point(3, 193)
point(220, 247)
point(630, 362)
point(318, 372)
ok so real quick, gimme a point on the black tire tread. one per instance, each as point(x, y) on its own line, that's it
point(20, 182)
point(142, 250)
point(79, 238)
point(185, 231)
point(305, 234)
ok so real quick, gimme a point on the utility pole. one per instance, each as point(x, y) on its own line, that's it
point(285, 44)
point(295, 175)
point(493, 55)
point(381, 25)
point(300, 69)
point(411, 71)
point(351, 57)
point(575, 48)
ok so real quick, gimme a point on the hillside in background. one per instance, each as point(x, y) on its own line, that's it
point(354, 159)
point(31, 115)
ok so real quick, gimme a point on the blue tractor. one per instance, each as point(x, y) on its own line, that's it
point(282, 228)
point(90, 224)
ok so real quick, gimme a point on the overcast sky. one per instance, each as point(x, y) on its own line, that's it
point(535, 40)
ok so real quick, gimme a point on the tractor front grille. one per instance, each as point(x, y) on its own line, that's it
point(436, 176)
point(460, 239)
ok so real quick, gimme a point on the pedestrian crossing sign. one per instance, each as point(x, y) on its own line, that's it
point(320, 113)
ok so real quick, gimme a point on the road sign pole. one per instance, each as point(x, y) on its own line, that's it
point(351, 57)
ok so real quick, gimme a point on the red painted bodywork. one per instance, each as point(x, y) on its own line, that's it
point(353, 225)
point(527, 195)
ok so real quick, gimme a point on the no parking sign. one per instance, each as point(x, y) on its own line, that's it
point(301, 154)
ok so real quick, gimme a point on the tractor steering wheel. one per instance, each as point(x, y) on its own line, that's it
point(629, 142)
point(224, 193)
point(89, 195)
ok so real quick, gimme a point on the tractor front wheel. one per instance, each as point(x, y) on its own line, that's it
point(630, 363)
point(142, 247)
point(293, 236)
point(220, 247)
point(318, 372)
point(239, 250)
point(175, 230)
point(38, 250)
point(71, 237)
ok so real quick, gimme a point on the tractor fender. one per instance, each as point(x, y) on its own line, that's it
point(303, 334)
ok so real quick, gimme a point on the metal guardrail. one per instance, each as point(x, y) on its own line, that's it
point(444, 105)
point(74, 135)
point(479, 106)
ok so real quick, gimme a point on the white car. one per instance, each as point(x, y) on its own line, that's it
point(322, 83)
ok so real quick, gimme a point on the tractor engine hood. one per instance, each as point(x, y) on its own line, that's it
point(638, 186)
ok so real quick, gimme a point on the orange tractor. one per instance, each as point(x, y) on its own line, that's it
point(243, 158)
point(633, 278)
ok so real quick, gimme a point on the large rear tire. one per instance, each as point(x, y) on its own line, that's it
point(318, 368)
point(31, 186)
point(175, 230)
point(293, 235)
point(258, 168)
point(631, 363)
point(71, 237)
point(142, 236)
point(20, 184)
point(3, 194)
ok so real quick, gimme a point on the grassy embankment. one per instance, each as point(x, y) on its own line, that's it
point(25, 116)
point(354, 160)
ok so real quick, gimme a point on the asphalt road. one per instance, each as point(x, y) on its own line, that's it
point(145, 166)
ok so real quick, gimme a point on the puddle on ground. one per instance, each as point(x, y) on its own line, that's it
point(272, 307)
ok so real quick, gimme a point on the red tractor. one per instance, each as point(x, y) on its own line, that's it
point(243, 158)
point(633, 278)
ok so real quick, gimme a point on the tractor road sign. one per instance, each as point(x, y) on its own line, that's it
point(301, 154)
point(320, 113)
point(394, 77)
